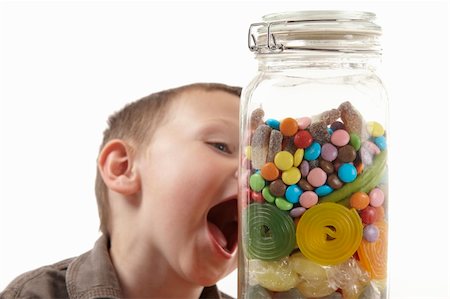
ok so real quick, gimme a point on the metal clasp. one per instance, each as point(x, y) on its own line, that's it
point(271, 45)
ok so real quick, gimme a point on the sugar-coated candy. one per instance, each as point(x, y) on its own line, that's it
point(297, 212)
point(304, 168)
point(276, 276)
point(260, 146)
point(256, 118)
point(283, 204)
point(375, 129)
point(267, 195)
point(340, 137)
point(334, 181)
point(308, 199)
point(337, 125)
point(347, 173)
point(273, 123)
point(380, 141)
point(291, 176)
point(293, 193)
point(313, 151)
point(275, 143)
point(257, 182)
point(289, 145)
point(277, 188)
point(371, 147)
point(359, 200)
point(369, 215)
point(303, 122)
point(328, 117)
point(257, 196)
point(376, 197)
point(270, 171)
point(303, 139)
point(257, 291)
point(371, 233)
point(317, 177)
point(304, 185)
point(298, 156)
point(288, 126)
point(355, 141)
point(347, 153)
point(352, 119)
point(319, 131)
point(323, 190)
point(329, 152)
point(326, 166)
point(284, 160)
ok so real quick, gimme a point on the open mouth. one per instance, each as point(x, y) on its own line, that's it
point(223, 224)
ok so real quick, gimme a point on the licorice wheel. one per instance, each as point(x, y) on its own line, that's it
point(373, 255)
point(329, 233)
point(270, 234)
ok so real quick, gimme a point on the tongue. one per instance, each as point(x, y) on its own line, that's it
point(217, 234)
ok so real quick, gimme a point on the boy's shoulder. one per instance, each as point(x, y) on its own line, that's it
point(44, 282)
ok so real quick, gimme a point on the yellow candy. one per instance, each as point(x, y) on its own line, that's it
point(298, 156)
point(329, 233)
point(284, 160)
point(275, 276)
point(375, 129)
point(291, 176)
point(248, 152)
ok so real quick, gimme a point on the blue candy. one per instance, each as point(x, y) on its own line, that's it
point(273, 123)
point(293, 193)
point(323, 190)
point(347, 173)
point(381, 142)
point(312, 152)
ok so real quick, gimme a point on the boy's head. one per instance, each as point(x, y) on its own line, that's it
point(136, 123)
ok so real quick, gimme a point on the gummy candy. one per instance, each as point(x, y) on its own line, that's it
point(319, 132)
point(328, 117)
point(260, 146)
point(274, 275)
point(275, 142)
point(352, 119)
point(256, 118)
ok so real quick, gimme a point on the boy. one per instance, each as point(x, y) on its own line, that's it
point(167, 195)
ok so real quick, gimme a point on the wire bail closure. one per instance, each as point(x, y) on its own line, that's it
point(271, 45)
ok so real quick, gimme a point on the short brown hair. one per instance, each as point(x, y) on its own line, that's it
point(136, 123)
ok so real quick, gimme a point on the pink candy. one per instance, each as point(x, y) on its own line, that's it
point(340, 137)
point(376, 197)
point(303, 122)
point(317, 177)
point(308, 199)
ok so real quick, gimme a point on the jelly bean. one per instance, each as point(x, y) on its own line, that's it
point(270, 171)
point(371, 233)
point(273, 123)
point(283, 204)
point(369, 215)
point(257, 182)
point(267, 195)
point(329, 152)
point(340, 137)
point(375, 129)
point(347, 173)
point(380, 141)
point(334, 181)
point(256, 118)
point(303, 122)
point(376, 197)
point(347, 153)
point(257, 196)
point(303, 139)
point(248, 152)
point(260, 146)
point(291, 176)
point(304, 185)
point(317, 177)
point(277, 188)
point(313, 151)
point(293, 193)
point(337, 125)
point(288, 126)
point(284, 160)
point(323, 190)
point(355, 141)
point(298, 156)
point(319, 132)
point(275, 144)
point(304, 168)
point(359, 200)
point(297, 212)
point(326, 166)
point(308, 199)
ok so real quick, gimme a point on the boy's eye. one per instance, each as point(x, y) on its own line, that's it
point(221, 147)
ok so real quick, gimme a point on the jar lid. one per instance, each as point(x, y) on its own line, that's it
point(328, 30)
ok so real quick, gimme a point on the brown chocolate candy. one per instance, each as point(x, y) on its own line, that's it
point(337, 125)
point(334, 182)
point(326, 166)
point(305, 186)
point(277, 188)
point(347, 153)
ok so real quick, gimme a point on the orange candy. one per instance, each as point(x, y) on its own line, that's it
point(359, 168)
point(359, 200)
point(373, 255)
point(288, 126)
point(270, 171)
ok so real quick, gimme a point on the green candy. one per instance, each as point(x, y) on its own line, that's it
point(270, 233)
point(355, 141)
point(257, 182)
point(283, 204)
point(267, 196)
point(365, 182)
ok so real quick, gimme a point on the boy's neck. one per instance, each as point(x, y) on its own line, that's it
point(142, 273)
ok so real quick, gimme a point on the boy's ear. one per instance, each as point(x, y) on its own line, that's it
point(115, 164)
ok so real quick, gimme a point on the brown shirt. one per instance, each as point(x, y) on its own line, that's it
point(90, 275)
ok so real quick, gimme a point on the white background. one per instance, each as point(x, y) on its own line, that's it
point(66, 66)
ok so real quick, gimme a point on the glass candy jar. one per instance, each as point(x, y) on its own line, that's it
point(313, 175)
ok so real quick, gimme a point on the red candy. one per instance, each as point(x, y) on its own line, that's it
point(257, 196)
point(303, 139)
point(369, 215)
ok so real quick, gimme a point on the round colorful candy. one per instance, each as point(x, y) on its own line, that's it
point(375, 129)
point(376, 197)
point(284, 160)
point(303, 122)
point(355, 141)
point(369, 215)
point(257, 182)
point(303, 139)
point(308, 199)
point(347, 153)
point(297, 212)
point(329, 152)
point(347, 172)
point(283, 204)
point(313, 151)
point(317, 177)
point(380, 141)
point(277, 188)
point(340, 137)
point(359, 200)
point(291, 176)
point(371, 233)
point(293, 193)
point(267, 196)
point(298, 156)
point(273, 123)
point(257, 196)
point(323, 190)
point(304, 168)
point(270, 171)
point(288, 126)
